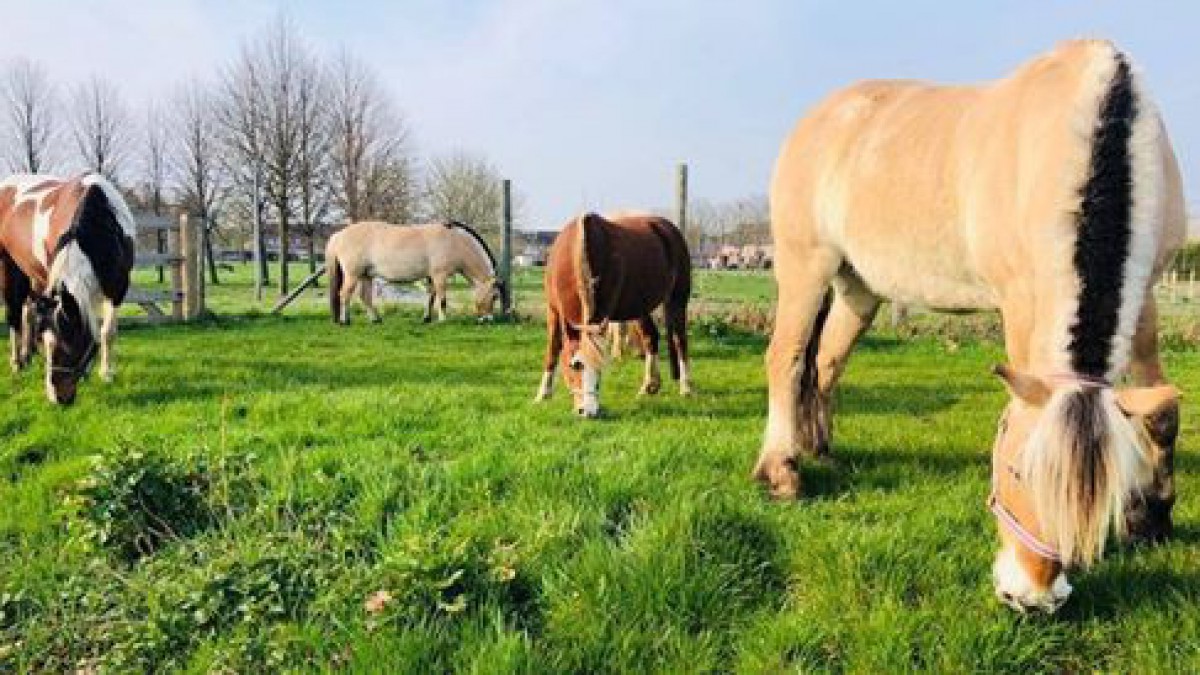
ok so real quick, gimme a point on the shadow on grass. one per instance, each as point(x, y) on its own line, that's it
point(1109, 591)
point(854, 469)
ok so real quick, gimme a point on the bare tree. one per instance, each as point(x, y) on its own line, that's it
point(100, 126)
point(195, 159)
point(313, 165)
point(155, 151)
point(392, 190)
point(240, 112)
point(370, 166)
point(29, 102)
point(265, 113)
point(467, 188)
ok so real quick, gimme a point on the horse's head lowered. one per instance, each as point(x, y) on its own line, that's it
point(487, 294)
point(585, 358)
point(68, 341)
point(1071, 461)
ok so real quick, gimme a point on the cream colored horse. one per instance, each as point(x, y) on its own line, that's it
point(1053, 195)
point(436, 252)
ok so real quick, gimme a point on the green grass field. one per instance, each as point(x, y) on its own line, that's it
point(249, 485)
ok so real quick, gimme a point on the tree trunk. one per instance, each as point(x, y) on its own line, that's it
point(206, 235)
point(285, 248)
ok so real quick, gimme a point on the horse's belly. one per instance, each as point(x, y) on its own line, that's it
point(931, 281)
point(399, 268)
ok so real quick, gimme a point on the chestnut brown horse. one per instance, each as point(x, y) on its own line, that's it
point(1052, 195)
point(66, 251)
point(602, 270)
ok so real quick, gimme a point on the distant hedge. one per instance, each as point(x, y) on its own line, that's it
point(1187, 259)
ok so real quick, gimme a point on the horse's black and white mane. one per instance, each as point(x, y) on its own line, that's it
point(1103, 245)
point(94, 254)
point(452, 224)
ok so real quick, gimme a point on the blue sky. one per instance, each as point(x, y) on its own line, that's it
point(591, 104)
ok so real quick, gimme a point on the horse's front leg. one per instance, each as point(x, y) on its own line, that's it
point(108, 335)
point(439, 296)
point(1148, 514)
point(803, 279)
point(554, 347)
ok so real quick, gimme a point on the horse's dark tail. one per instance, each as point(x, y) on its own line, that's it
point(813, 419)
point(675, 311)
point(336, 277)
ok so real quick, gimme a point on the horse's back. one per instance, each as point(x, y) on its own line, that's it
point(960, 182)
point(376, 248)
point(637, 260)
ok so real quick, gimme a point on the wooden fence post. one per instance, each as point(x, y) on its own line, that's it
point(193, 295)
point(175, 250)
point(681, 197)
point(506, 248)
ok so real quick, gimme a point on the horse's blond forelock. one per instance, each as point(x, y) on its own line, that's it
point(1081, 463)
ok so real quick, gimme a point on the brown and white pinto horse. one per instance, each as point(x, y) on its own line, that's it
point(363, 251)
point(608, 269)
point(1053, 195)
point(66, 251)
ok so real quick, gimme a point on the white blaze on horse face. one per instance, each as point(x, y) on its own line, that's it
point(1015, 589)
point(48, 344)
point(589, 405)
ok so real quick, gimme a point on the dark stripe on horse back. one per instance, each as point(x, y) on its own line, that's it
point(466, 228)
point(1103, 240)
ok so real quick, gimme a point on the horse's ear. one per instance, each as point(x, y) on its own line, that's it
point(1028, 388)
point(1147, 401)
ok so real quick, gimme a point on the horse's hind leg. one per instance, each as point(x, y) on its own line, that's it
point(108, 335)
point(803, 278)
point(675, 315)
point(347, 291)
point(366, 293)
point(651, 381)
point(1148, 514)
point(19, 313)
point(850, 315)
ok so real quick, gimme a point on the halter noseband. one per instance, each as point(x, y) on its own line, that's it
point(81, 368)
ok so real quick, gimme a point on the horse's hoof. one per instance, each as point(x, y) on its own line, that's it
point(376, 319)
point(108, 376)
point(686, 390)
point(650, 389)
point(426, 319)
point(779, 475)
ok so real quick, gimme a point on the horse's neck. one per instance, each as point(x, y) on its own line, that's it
point(475, 263)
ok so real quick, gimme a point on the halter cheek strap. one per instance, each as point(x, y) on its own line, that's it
point(1010, 520)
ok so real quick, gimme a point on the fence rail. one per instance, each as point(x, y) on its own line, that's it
point(182, 256)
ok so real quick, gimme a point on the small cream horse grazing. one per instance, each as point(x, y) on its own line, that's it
point(436, 252)
point(1053, 195)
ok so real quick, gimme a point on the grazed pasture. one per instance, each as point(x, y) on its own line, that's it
point(250, 485)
